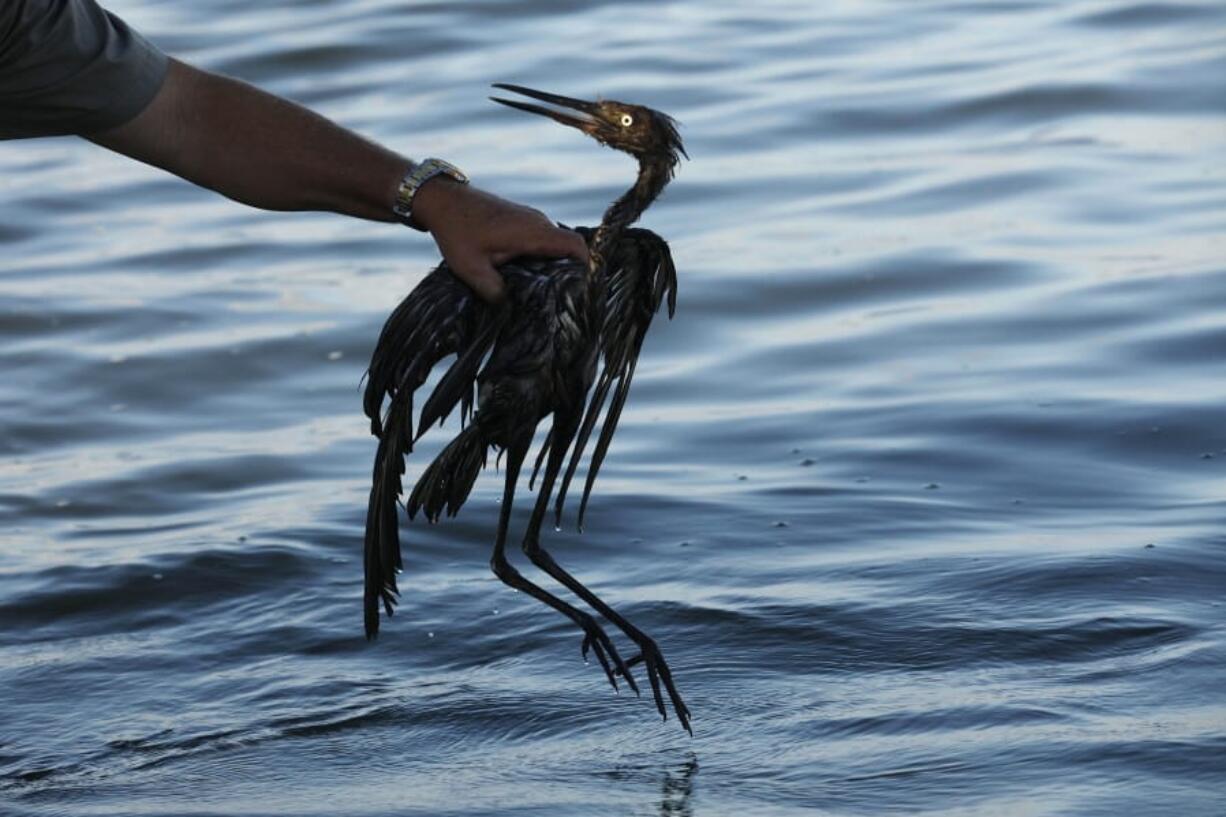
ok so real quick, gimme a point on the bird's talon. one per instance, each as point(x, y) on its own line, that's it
point(593, 639)
point(638, 659)
point(657, 672)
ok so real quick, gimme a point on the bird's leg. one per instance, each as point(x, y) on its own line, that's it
point(563, 432)
point(649, 653)
point(594, 634)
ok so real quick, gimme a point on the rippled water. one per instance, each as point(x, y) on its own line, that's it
point(922, 492)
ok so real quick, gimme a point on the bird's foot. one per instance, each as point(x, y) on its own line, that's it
point(596, 640)
point(657, 672)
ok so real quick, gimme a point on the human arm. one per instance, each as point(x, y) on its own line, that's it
point(271, 153)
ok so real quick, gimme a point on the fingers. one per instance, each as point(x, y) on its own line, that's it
point(539, 237)
point(481, 276)
point(555, 242)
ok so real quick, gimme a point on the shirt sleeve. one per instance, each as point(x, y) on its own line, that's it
point(71, 67)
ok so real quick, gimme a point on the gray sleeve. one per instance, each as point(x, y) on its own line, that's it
point(69, 66)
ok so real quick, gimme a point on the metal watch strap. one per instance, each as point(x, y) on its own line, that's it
point(418, 175)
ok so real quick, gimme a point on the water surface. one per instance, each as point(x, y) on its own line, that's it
point(922, 492)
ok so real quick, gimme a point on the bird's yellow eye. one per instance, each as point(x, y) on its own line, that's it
point(627, 120)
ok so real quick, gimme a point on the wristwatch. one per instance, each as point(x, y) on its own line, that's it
point(418, 175)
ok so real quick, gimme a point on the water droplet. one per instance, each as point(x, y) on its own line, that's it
point(63, 503)
point(557, 528)
point(337, 355)
point(494, 611)
point(430, 634)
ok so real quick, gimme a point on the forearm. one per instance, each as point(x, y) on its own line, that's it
point(258, 149)
point(267, 152)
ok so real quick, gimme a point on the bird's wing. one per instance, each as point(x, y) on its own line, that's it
point(640, 277)
point(440, 317)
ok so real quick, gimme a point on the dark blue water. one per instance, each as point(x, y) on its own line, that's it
point(923, 492)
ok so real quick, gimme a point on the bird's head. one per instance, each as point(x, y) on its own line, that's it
point(643, 133)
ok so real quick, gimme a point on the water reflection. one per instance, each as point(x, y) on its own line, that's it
point(677, 789)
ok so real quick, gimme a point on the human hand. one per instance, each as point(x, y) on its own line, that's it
point(476, 231)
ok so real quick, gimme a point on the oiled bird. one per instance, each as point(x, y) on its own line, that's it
point(535, 356)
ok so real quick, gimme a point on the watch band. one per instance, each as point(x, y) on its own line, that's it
point(418, 175)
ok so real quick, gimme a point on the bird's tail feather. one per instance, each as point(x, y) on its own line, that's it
point(446, 484)
point(382, 547)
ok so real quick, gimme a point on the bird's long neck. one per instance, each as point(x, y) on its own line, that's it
point(654, 174)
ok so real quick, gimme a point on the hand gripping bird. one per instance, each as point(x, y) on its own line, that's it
point(562, 321)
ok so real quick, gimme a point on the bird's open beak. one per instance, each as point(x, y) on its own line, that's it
point(585, 123)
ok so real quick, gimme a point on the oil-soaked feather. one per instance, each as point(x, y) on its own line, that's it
point(382, 556)
point(435, 320)
point(458, 381)
point(595, 405)
point(606, 436)
point(540, 457)
point(640, 274)
point(447, 482)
